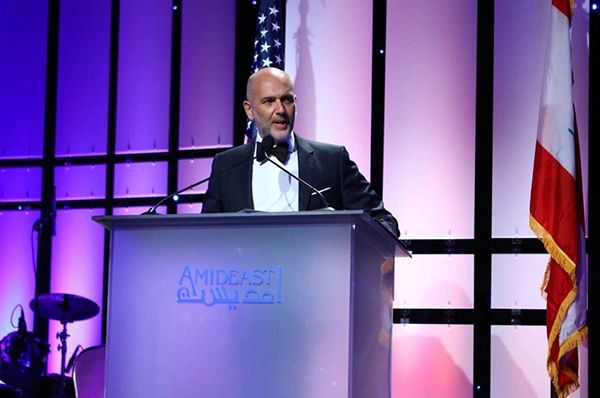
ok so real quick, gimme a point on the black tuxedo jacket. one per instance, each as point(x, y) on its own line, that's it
point(321, 165)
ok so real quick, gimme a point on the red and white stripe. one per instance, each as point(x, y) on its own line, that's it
point(557, 207)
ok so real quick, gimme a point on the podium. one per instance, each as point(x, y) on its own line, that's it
point(249, 305)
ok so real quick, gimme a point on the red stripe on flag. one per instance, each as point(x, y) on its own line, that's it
point(554, 203)
point(563, 6)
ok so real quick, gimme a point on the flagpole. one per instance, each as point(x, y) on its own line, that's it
point(593, 199)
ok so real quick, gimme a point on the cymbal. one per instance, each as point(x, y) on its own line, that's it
point(64, 307)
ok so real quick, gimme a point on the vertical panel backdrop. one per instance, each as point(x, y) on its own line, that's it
point(21, 131)
point(119, 153)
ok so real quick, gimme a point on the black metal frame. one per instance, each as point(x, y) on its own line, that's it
point(43, 271)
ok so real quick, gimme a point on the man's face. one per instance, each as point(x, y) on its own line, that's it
point(271, 104)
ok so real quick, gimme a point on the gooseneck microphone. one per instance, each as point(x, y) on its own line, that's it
point(22, 324)
point(266, 146)
point(152, 210)
point(264, 150)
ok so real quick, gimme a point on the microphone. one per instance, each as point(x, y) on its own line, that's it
point(50, 218)
point(266, 146)
point(152, 210)
point(22, 328)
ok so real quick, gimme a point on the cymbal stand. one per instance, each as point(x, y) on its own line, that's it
point(62, 347)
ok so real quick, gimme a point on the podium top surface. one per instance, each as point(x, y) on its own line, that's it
point(362, 222)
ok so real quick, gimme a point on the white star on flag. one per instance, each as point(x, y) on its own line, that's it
point(269, 45)
point(264, 47)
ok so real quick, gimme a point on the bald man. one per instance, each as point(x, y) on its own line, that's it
point(237, 183)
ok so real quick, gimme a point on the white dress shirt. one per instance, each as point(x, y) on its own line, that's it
point(272, 189)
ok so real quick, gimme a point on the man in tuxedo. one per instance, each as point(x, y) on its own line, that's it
point(237, 183)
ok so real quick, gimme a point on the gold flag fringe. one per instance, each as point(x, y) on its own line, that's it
point(569, 266)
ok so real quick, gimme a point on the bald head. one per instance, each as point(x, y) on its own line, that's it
point(271, 103)
point(264, 76)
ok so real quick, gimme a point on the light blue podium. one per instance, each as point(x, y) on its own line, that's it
point(250, 305)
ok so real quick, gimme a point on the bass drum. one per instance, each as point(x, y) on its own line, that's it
point(23, 359)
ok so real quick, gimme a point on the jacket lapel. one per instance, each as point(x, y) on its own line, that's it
point(244, 190)
point(306, 169)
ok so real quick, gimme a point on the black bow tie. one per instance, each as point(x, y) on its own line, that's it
point(280, 151)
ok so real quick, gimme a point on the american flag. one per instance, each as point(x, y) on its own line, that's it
point(269, 48)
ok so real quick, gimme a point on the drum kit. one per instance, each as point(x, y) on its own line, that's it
point(23, 357)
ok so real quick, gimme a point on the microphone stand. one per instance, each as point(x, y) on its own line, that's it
point(268, 144)
point(62, 347)
point(266, 151)
point(152, 210)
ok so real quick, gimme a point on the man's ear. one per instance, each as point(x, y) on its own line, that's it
point(248, 109)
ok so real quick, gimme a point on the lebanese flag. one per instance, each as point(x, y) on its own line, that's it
point(556, 208)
